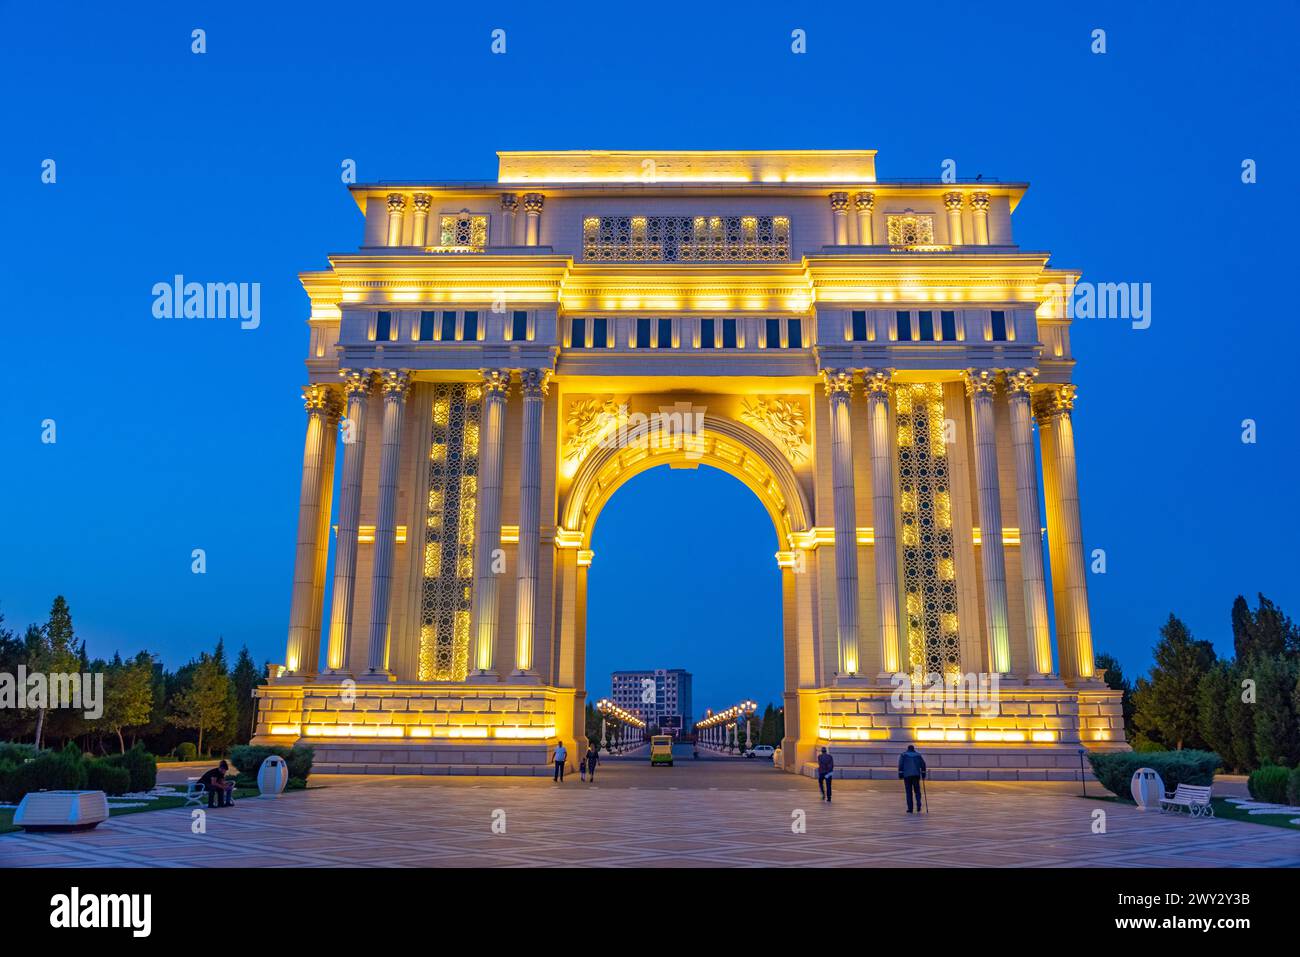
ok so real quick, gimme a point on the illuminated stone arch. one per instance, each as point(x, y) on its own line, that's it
point(723, 443)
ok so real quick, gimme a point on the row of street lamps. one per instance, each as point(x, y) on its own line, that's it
point(721, 731)
point(633, 728)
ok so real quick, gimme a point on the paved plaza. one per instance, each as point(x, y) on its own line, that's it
point(718, 813)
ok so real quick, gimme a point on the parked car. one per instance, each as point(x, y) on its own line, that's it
point(762, 751)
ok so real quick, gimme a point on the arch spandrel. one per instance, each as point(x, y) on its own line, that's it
point(733, 447)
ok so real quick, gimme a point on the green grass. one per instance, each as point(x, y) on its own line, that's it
point(164, 803)
point(1231, 812)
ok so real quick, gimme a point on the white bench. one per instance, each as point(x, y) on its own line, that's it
point(195, 793)
point(1192, 797)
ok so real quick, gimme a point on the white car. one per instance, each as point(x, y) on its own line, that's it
point(762, 751)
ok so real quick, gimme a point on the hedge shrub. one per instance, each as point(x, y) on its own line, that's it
point(48, 771)
point(1115, 769)
point(140, 764)
point(248, 758)
point(12, 752)
point(1293, 788)
point(186, 751)
point(1269, 784)
point(102, 776)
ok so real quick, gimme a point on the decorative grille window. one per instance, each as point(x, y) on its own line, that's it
point(463, 231)
point(910, 229)
point(925, 493)
point(686, 238)
point(447, 581)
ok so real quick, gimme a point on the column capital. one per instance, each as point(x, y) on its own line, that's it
point(396, 202)
point(877, 382)
point(393, 383)
point(535, 382)
point(509, 202)
point(839, 202)
point(979, 201)
point(839, 382)
point(1052, 402)
point(533, 202)
point(357, 382)
point(318, 398)
point(864, 202)
point(980, 383)
point(1020, 382)
point(423, 201)
point(496, 382)
point(952, 201)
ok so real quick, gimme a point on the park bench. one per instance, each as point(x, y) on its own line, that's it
point(195, 793)
point(1194, 798)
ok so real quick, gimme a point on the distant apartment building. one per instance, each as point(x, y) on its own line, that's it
point(661, 698)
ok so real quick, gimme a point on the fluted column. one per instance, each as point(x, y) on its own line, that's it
point(883, 520)
point(396, 208)
point(303, 651)
point(509, 210)
point(1037, 628)
point(840, 216)
point(420, 219)
point(979, 204)
point(483, 618)
point(533, 203)
point(980, 386)
point(839, 389)
point(395, 385)
point(864, 203)
point(952, 203)
point(1065, 534)
point(534, 383)
point(357, 388)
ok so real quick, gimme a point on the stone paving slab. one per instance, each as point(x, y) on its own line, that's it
point(631, 820)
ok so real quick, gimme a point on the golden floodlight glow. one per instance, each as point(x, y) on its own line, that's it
point(285, 729)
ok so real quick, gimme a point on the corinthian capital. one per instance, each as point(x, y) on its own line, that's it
point(509, 202)
point(356, 382)
point(396, 202)
point(535, 382)
point(1054, 402)
point(864, 202)
point(840, 202)
point(496, 382)
point(952, 202)
point(877, 382)
point(980, 202)
point(980, 382)
point(320, 399)
point(394, 384)
point(422, 202)
point(533, 202)
point(1020, 382)
point(839, 382)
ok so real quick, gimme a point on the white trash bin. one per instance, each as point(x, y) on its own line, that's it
point(272, 776)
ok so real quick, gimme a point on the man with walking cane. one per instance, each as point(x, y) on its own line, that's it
point(911, 768)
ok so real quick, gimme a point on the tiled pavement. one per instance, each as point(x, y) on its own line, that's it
point(637, 817)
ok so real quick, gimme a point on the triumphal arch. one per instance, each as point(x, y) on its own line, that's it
point(871, 358)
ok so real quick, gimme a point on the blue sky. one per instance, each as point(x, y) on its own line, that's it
point(225, 167)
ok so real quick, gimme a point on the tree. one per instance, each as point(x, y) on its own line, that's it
point(203, 706)
point(51, 649)
point(1212, 714)
point(1277, 738)
point(1264, 632)
point(1165, 706)
point(128, 697)
point(245, 678)
point(767, 734)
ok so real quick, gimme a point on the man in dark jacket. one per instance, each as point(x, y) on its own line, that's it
point(911, 768)
point(214, 782)
point(592, 758)
point(825, 775)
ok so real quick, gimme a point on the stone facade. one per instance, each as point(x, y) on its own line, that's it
point(871, 358)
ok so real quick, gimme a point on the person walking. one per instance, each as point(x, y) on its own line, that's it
point(591, 760)
point(561, 756)
point(825, 774)
point(911, 769)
